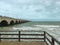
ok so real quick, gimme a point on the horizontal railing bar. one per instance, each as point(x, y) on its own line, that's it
point(9, 34)
point(24, 34)
point(53, 38)
point(56, 41)
point(48, 40)
point(9, 38)
point(23, 38)
point(49, 35)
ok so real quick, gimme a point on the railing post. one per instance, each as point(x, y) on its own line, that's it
point(44, 36)
point(0, 37)
point(19, 37)
point(52, 43)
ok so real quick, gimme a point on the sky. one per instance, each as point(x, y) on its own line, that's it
point(34, 10)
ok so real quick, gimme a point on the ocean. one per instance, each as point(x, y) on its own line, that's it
point(53, 26)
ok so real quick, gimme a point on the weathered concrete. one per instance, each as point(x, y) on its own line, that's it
point(22, 43)
point(9, 20)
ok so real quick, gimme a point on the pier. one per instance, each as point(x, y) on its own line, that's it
point(44, 39)
point(5, 21)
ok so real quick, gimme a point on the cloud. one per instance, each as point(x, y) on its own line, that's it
point(31, 9)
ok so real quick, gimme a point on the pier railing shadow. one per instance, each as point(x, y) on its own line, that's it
point(45, 37)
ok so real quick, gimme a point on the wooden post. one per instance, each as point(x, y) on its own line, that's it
point(44, 36)
point(52, 43)
point(0, 37)
point(19, 36)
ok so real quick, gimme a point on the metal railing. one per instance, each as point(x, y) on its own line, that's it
point(44, 38)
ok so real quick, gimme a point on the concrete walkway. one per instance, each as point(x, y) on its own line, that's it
point(22, 43)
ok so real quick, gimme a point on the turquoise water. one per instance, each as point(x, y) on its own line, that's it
point(30, 24)
point(45, 23)
point(40, 23)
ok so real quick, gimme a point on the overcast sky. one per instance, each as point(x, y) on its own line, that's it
point(41, 10)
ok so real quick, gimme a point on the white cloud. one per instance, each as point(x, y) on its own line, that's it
point(31, 9)
point(58, 2)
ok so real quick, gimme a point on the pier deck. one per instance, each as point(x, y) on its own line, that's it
point(23, 43)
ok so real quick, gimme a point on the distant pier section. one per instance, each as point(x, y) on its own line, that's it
point(5, 21)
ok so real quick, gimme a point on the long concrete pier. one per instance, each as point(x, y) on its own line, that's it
point(4, 21)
